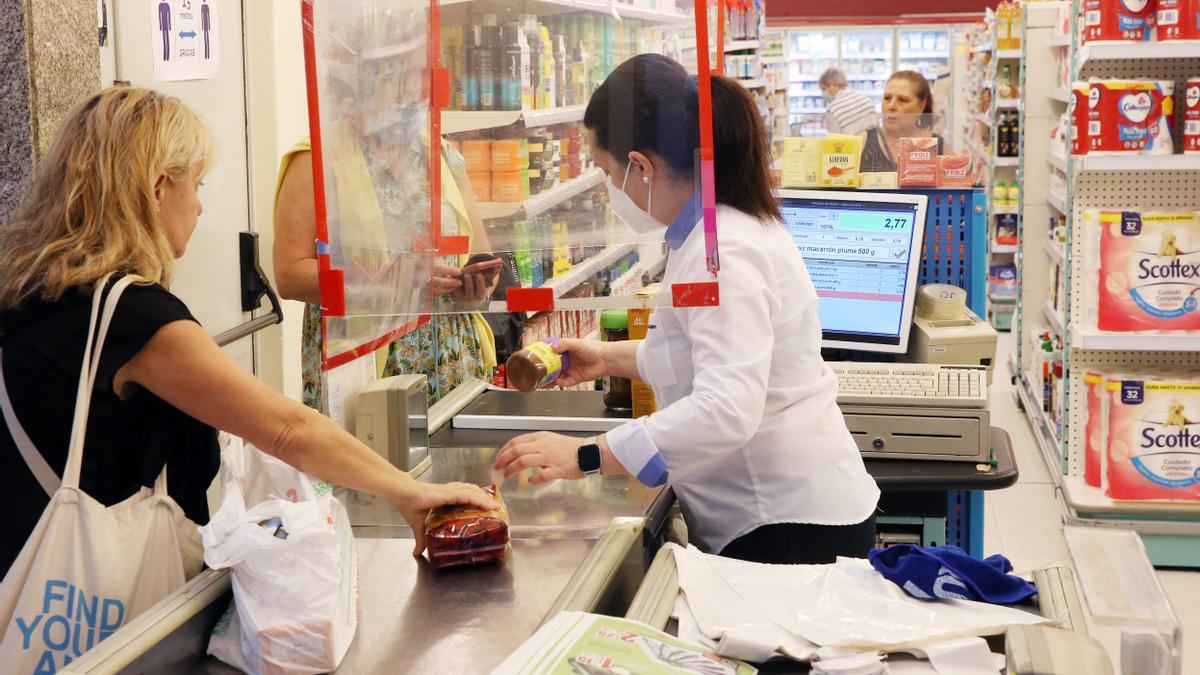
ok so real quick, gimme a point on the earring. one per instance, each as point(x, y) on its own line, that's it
point(646, 180)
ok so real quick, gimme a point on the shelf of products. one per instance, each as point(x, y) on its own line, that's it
point(1008, 54)
point(540, 203)
point(1004, 248)
point(588, 268)
point(459, 121)
point(741, 45)
point(1094, 339)
point(1008, 161)
point(1055, 252)
point(1053, 317)
point(618, 10)
point(1138, 163)
point(1045, 431)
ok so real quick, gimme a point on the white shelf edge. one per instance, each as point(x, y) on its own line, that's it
point(1059, 41)
point(458, 121)
point(1043, 432)
point(1008, 54)
point(1056, 202)
point(1086, 338)
point(588, 268)
point(1052, 316)
point(983, 48)
point(1055, 253)
point(1004, 248)
point(1141, 51)
point(752, 83)
point(1057, 161)
point(772, 60)
point(1085, 498)
point(543, 202)
point(741, 45)
point(1007, 161)
point(1060, 94)
point(1139, 163)
point(1008, 103)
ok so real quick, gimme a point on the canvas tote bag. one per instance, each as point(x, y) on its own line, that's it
point(88, 568)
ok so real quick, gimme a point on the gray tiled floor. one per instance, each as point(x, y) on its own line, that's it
point(1024, 522)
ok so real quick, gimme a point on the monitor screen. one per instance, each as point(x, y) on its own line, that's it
point(862, 251)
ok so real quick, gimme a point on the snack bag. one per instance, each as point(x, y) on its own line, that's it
point(1118, 20)
point(1149, 272)
point(917, 162)
point(1154, 440)
point(463, 535)
point(1130, 117)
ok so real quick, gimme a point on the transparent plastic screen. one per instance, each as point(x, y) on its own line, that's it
point(523, 189)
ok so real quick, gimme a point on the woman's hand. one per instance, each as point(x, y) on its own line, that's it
point(474, 290)
point(556, 455)
point(445, 279)
point(588, 361)
point(415, 501)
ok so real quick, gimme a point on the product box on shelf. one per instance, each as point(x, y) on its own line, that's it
point(917, 162)
point(1154, 439)
point(840, 157)
point(1118, 20)
point(801, 162)
point(1178, 20)
point(1078, 111)
point(1130, 117)
point(1191, 117)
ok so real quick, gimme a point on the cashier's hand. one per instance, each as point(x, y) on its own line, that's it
point(414, 504)
point(556, 455)
point(587, 363)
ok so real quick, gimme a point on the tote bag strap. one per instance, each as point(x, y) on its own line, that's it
point(33, 459)
point(87, 374)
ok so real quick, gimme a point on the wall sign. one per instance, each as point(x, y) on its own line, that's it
point(184, 39)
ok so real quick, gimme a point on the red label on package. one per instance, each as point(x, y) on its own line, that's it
point(1118, 20)
point(1130, 117)
point(1191, 117)
point(917, 162)
point(1079, 118)
point(1178, 20)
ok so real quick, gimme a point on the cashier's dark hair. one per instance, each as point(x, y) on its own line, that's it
point(650, 103)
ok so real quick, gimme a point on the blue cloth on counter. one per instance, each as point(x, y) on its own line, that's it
point(949, 572)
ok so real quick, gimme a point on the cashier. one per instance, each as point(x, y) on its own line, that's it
point(748, 431)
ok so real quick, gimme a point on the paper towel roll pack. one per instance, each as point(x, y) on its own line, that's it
point(1130, 117)
point(1118, 20)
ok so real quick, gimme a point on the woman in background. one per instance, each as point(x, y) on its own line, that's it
point(907, 113)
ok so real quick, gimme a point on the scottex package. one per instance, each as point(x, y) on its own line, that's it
point(1118, 20)
point(1094, 428)
point(1130, 117)
point(1154, 440)
point(1148, 273)
point(464, 535)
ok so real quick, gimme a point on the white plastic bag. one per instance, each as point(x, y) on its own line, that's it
point(294, 568)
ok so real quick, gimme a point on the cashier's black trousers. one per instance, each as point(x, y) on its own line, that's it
point(801, 544)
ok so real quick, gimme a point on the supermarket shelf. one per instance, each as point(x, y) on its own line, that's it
point(1008, 54)
point(805, 78)
point(458, 121)
point(1090, 338)
point(997, 300)
point(1004, 210)
point(1056, 202)
point(393, 50)
point(740, 45)
point(1055, 252)
point(1060, 94)
point(545, 201)
point(1140, 51)
point(908, 56)
point(622, 10)
point(588, 268)
point(1058, 161)
point(771, 60)
point(1084, 498)
point(1043, 429)
point(1008, 161)
point(867, 77)
point(1060, 41)
point(752, 83)
point(1008, 103)
point(1004, 248)
point(1052, 316)
point(867, 56)
point(1139, 163)
point(987, 47)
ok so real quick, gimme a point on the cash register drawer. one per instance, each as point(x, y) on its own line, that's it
point(945, 434)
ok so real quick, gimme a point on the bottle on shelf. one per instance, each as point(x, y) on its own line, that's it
point(1003, 25)
point(1013, 196)
point(1005, 88)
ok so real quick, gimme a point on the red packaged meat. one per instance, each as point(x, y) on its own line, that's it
point(917, 162)
point(464, 535)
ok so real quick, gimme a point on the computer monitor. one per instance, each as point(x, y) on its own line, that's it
point(862, 250)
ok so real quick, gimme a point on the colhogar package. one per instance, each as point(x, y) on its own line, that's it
point(1154, 439)
point(1149, 271)
point(1130, 117)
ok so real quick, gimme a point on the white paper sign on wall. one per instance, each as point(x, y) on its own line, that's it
point(184, 42)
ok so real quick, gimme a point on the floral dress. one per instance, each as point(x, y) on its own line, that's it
point(447, 349)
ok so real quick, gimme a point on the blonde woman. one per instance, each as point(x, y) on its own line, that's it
point(117, 192)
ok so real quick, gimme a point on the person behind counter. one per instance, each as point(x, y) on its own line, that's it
point(117, 193)
point(748, 431)
point(466, 346)
point(907, 113)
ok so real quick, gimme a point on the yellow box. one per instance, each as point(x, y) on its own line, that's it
point(879, 180)
point(840, 157)
point(801, 163)
point(643, 396)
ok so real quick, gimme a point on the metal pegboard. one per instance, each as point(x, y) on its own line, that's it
point(956, 242)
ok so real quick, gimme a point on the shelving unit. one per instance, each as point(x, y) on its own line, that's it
point(540, 203)
point(459, 121)
point(618, 10)
point(1170, 531)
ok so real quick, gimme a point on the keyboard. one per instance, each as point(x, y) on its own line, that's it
point(927, 385)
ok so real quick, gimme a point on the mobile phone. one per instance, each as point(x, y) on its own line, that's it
point(480, 263)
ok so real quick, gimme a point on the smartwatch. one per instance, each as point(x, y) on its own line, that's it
point(589, 457)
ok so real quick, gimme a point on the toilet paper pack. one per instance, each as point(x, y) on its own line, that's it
point(1130, 117)
point(1154, 439)
point(1191, 117)
point(1178, 20)
point(1148, 275)
point(1118, 20)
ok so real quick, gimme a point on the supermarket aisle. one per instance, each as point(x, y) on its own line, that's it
point(1024, 522)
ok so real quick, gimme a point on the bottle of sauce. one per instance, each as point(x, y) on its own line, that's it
point(536, 366)
point(614, 327)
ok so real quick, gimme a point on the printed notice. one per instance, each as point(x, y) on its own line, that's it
point(184, 39)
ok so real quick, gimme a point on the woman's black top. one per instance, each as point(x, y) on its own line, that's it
point(128, 441)
point(876, 157)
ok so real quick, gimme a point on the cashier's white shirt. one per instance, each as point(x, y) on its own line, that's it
point(748, 430)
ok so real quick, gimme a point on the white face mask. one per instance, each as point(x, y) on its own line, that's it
point(625, 208)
